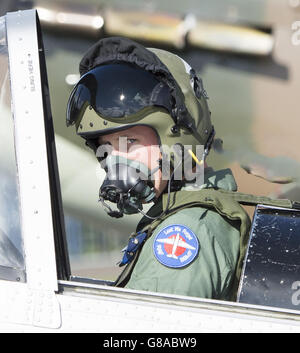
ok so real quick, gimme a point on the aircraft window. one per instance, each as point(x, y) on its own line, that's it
point(271, 267)
point(11, 245)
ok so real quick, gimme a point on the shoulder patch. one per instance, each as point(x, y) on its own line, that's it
point(175, 246)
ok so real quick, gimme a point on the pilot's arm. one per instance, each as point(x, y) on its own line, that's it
point(193, 252)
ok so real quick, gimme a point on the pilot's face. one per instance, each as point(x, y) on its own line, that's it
point(139, 143)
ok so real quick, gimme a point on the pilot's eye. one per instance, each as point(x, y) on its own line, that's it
point(131, 140)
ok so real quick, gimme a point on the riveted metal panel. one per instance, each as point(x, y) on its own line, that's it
point(91, 308)
point(31, 153)
point(25, 308)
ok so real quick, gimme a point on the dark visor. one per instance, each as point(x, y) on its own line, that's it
point(117, 91)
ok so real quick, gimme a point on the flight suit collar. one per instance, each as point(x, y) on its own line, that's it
point(221, 179)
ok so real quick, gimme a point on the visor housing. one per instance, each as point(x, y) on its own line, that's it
point(117, 91)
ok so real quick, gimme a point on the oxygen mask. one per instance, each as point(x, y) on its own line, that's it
point(128, 183)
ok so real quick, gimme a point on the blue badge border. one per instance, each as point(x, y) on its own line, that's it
point(192, 259)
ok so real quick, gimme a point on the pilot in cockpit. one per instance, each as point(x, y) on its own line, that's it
point(145, 115)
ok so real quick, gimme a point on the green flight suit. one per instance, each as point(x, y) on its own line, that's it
point(212, 272)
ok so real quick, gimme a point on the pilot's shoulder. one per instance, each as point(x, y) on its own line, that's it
point(199, 217)
point(208, 225)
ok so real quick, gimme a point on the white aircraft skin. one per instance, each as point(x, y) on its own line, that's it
point(175, 241)
point(46, 303)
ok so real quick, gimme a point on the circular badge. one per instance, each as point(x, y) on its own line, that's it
point(175, 246)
